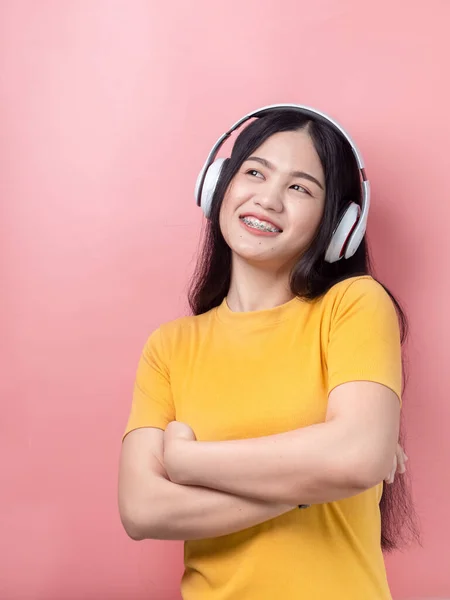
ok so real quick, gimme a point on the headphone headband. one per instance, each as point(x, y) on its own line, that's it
point(356, 234)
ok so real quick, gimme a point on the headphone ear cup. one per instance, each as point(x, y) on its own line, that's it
point(349, 219)
point(209, 184)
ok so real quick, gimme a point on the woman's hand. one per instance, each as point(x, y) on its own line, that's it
point(399, 464)
point(179, 440)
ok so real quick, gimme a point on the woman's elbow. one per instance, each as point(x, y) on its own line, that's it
point(367, 472)
point(132, 524)
point(355, 472)
point(146, 523)
point(139, 524)
point(133, 532)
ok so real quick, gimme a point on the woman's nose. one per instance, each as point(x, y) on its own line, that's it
point(270, 199)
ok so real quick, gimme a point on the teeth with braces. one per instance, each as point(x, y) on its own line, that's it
point(257, 224)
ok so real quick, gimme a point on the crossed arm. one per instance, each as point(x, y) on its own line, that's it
point(174, 487)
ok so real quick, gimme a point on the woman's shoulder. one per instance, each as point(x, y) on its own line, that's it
point(362, 290)
point(173, 335)
point(183, 325)
point(357, 285)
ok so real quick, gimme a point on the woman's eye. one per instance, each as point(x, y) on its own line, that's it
point(300, 188)
point(252, 171)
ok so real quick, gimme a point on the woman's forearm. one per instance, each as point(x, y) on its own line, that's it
point(306, 466)
point(169, 511)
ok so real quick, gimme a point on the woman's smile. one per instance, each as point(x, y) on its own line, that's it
point(259, 227)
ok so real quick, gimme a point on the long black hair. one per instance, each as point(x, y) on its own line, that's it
point(311, 277)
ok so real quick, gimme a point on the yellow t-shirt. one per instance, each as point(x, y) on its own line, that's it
point(236, 375)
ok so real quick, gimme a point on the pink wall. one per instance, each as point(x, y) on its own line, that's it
point(108, 111)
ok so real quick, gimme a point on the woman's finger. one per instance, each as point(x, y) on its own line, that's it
point(401, 460)
point(390, 478)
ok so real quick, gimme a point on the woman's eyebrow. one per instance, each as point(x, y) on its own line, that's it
point(300, 174)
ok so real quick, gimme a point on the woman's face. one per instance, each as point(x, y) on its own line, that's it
point(275, 202)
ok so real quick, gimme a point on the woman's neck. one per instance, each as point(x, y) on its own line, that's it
point(253, 288)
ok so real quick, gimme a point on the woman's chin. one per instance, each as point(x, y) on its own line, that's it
point(257, 256)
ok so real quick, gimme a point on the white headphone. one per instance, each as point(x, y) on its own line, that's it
point(351, 228)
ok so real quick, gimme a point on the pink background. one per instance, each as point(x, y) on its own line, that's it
point(108, 111)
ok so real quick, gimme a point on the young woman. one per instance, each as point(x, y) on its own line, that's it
point(264, 426)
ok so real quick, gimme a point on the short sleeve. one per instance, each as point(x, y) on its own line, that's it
point(152, 404)
point(364, 338)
